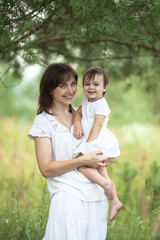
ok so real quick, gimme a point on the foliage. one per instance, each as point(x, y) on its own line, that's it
point(19, 97)
point(25, 201)
point(77, 31)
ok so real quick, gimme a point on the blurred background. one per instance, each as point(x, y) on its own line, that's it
point(122, 37)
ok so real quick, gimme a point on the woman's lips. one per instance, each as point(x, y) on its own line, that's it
point(68, 98)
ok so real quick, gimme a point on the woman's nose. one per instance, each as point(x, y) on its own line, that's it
point(70, 90)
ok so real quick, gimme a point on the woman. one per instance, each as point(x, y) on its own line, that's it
point(78, 207)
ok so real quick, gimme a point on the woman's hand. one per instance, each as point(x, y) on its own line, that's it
point(93, 159)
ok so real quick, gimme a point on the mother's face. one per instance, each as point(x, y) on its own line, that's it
point(65, 92)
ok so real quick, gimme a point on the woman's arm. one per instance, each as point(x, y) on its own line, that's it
point(49, 168)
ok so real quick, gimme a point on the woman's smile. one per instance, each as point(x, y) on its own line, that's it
point(65, 92)
point(68, 97)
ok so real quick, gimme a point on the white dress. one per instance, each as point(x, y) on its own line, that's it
point(78, 207)
point(106, 140)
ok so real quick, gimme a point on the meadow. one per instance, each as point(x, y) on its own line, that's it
point(25, 199)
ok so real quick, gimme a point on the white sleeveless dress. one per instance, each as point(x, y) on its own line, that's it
point(106, 140)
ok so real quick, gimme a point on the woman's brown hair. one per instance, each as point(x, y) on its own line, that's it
point(54, 75)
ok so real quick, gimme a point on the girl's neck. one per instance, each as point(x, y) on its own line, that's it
point(94, 100)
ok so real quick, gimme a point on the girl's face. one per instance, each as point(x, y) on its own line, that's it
point(64, 93)
point(94, 88)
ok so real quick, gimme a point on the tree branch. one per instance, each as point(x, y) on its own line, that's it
point(54, 39)
point(119, 42)
point(33, 14)
point(90, 59)
point(32, 31)
point(108, 39)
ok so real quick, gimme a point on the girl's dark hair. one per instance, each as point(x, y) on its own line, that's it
point(91, 72)
point(54, 75)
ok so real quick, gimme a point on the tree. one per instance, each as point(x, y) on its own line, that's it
point(78, 30)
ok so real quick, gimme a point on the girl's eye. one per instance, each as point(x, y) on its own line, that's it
point(96, 84)
point(86, 84)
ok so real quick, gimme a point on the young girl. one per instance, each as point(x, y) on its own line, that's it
point(79, 207)
point(90, 121)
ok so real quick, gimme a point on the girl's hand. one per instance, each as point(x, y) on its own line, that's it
point(78, 131)
point(93, 160)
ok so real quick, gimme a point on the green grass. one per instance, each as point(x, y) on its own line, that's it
point(25, 199)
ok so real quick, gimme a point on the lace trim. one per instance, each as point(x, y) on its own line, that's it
point(55, 125)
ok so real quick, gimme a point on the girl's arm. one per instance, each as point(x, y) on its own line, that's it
point(98, 122)
point(78, 130)
point(49, 168)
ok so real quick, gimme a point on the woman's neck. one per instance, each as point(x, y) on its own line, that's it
point(60, 110)
point(62, 115)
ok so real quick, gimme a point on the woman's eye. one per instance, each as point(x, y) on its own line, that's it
point(62, 86)
point(74, 83)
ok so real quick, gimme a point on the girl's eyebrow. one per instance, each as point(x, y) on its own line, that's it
point(87, 80)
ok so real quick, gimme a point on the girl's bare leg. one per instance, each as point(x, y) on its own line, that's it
point(94, 176)
point(116, 205)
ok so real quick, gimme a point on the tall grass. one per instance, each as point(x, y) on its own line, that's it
point(25, 199)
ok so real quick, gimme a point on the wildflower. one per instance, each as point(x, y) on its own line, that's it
point(83, 30)
point(7, 221)
point(116, 1)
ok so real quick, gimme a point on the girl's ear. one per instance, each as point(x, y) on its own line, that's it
point(105, 88)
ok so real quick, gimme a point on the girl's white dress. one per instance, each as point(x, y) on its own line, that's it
point(78, 208)
point(106, 140)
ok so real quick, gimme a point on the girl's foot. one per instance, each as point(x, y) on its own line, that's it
point(116, 205)
point(111, 194)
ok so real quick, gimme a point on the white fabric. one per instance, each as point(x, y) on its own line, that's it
point(70, 217)
point(63, 145)
point(106, 140)
point(73, 219)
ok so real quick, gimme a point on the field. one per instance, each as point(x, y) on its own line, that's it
point(25, 200)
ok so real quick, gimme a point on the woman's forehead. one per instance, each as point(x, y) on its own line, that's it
point(68, 80)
